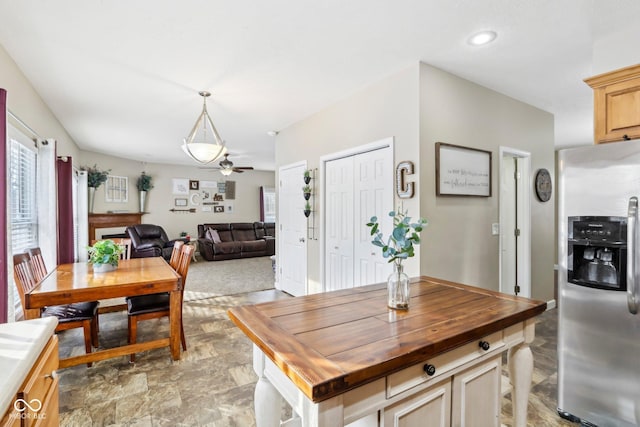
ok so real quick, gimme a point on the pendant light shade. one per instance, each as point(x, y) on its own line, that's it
point(204, 144)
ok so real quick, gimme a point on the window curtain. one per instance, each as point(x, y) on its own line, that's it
point(46, 196)
point(82, 206)
point(4, 253)
point(66, 246)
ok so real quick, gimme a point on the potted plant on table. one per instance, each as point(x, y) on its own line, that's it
point(398, 247)
point(104, 255)
point(307, 209)
point(95, 178)
point(144, 184)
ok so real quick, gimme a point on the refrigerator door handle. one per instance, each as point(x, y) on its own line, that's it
point(632, 247)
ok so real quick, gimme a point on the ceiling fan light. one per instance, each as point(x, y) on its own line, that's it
point(204, 144)
point(226, 172)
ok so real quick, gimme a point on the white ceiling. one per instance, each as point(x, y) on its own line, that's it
point(123, 77)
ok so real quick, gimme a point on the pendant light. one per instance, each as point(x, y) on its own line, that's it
point(204, 144)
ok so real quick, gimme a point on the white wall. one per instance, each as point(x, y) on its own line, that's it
point(24, 102)
point(419, 106)
point(458, 244)
point(160, 199)
point(385, 109)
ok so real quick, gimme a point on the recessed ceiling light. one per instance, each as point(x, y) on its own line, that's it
point(482, 38)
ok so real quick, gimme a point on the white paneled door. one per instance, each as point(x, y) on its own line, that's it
point(292, 232)
point(339, 224)
point(357, 187)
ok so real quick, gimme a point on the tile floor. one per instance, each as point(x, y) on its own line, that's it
point(213, 383)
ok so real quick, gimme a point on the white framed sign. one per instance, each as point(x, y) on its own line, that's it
point(462, 171)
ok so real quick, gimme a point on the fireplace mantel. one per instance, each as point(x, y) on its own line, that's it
point(108, 220)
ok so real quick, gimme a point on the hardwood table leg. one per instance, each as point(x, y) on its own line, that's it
point(520, 365)
point(175, 313)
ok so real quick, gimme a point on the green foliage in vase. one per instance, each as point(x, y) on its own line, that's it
point(95, 176)
point(399, 245)
point(307, 173)
point(144, 182)
point(104, 252)
point(306, 189)
point(307, 206)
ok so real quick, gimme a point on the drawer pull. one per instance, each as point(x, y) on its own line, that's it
point(484, 345)
point(429, 369)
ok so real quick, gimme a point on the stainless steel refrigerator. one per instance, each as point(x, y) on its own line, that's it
point(599, 284)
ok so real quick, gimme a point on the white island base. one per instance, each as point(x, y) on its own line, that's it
point(464, 390)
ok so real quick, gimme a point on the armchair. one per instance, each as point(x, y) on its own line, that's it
point(149, 240)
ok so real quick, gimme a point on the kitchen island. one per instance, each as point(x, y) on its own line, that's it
point(342, 357)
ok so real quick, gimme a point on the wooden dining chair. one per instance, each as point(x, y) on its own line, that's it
point(37, 263)
point(77, 315)
point(125, 244)
point(154, 306)
point(175, 254)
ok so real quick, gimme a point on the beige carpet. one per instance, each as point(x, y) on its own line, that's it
point(235, 276)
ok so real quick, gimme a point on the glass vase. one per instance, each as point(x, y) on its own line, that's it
point(398, 288)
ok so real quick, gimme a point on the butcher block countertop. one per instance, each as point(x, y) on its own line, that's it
point(333, 342)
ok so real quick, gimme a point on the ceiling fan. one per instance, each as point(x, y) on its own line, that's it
point(226, 166)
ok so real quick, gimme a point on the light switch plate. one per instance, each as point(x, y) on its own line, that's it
point(495, 229)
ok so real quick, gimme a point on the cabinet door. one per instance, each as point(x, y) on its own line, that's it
point(476, 395)
point(617, 104)
point(430, 408)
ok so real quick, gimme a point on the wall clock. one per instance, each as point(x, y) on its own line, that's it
point(543, 185)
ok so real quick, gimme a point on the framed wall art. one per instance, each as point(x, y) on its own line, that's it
point(181, 202)
point(462, 171)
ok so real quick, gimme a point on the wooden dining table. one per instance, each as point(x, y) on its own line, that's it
point(77, 282)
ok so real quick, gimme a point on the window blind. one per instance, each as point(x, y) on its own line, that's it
point(22, 196)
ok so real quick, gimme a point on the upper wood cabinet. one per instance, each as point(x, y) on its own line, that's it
point(616, 104)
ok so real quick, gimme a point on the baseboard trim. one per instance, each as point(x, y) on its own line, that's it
point(551, 304)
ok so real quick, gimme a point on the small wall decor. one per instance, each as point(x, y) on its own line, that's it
point(209, 184)
point(194, 185)
point(309, 195)
point(222, 186)
point(180, 186)
point(218, 209)
point(218, 197)
point(462, 171)
point(543, 185)
point(181, 202)
point(230, 190)
point(404, 189)
point(117, 189)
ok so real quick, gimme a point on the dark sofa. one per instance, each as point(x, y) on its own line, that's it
point(237, 240)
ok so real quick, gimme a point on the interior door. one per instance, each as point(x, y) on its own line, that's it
point(339, 224)
point(373, 195)
point(292, 224)
point(515, 222)
point(509, 225)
